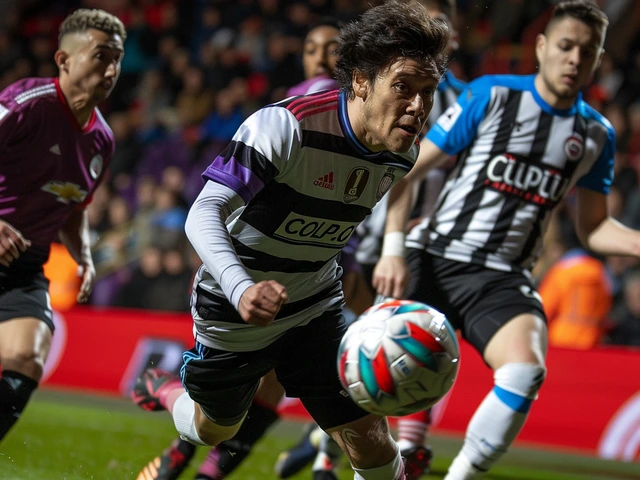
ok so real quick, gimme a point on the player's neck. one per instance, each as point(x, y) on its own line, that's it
point(553, 100)
point(78, 102)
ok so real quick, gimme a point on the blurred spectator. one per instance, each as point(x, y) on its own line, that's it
point(64, 283)
point(224, 120)
point(576, 294)
point(138, 291)
point(627, 328)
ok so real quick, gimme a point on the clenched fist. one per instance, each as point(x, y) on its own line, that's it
point(261, 302)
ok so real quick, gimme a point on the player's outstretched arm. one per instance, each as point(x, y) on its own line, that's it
point(391, 274)
point(12, 244)
point(74, 235)
point(600, 232)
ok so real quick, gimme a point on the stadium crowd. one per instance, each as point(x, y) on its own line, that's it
point(195, 69)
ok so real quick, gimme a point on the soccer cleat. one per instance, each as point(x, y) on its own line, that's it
point(147, 389)
point(171, 464)
point(296, 458)
point(417, 462)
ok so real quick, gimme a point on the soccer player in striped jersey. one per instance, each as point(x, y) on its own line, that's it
point(319, 58)
point(54, 149)
point(522, 143)
point(277, 206)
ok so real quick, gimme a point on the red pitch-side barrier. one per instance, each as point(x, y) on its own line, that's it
point(590, 401)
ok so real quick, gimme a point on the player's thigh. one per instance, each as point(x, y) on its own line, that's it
point(367, 442)
point(307, 357)
point(270, 392)
point(523, 339)
point(480, 301)
point(223, 383)
point(24, 345)
point(26, 323)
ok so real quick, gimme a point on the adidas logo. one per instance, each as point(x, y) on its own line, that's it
point(326, 181)
point(55, 149)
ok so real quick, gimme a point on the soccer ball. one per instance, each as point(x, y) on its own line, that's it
point(398, 358)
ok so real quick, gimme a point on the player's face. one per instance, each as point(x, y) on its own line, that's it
point(94, 67)
point(319, 54)
point(396, 105)
point(568, 55)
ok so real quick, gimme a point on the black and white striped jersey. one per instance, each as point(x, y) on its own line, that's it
point(517, 158)
point(371, 231)
point(305, 182)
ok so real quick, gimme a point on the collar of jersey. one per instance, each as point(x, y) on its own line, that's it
point(345, 124)
point(566, 112)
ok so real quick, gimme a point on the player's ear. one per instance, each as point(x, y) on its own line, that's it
point(360, 84)
point(541, 42)
point(62, 60)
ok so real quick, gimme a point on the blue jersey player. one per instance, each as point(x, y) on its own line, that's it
point(277, 207)
point(522, 143)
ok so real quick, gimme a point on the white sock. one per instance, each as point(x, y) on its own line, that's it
point(184, 411)
point(391, 471)
point(461, 469)
point(498, 420)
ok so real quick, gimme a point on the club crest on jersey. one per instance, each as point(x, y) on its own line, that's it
point(95, 166)
point(574, 147)
point(66, 192)
point(385, 183)
point(357, 180)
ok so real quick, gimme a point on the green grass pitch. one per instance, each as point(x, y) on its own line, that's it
point(65, 436)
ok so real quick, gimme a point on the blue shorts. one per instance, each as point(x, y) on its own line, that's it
point(305, 361)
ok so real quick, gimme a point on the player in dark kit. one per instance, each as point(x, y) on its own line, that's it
point(54, 149)
point(523, 142)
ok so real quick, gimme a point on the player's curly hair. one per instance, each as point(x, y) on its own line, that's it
point(83, 19)
point(386, 33)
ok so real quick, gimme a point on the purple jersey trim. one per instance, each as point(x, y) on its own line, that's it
point(234, 175)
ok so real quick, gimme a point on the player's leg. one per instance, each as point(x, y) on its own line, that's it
point(24, 346)
point(515, 336)
point(26, 329)
point(366, 441)
point(307, 370)
point(412, 438)
point(219, 386)
point(225, 457)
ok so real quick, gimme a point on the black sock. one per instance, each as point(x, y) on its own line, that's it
point(15, 390)
point(233, 452)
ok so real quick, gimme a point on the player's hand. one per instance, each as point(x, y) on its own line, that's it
point(390, 276)
point(12, 244)
point(261, 302)
point(88, 273)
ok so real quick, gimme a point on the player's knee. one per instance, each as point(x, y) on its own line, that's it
point(27, 362)
point(517, 384)
point(212, 434)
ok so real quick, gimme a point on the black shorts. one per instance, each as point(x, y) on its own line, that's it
point(25, 297)
point(305, 360)
point(476, 300)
